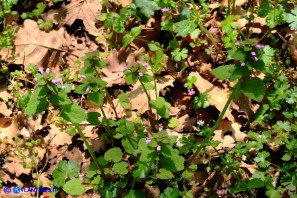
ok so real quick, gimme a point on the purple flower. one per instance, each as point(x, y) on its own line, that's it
point(259, 47)
point(82, 76)
point(64, 87)
point(40, 69)
point(242, 64)
point(147, 141)
point(57, 80)
point(88, 90)
point(237, 44)
point(158, 148)
point(165, 9)
point(140, 74)
point(145, 64)
point(47, 70)
point(191, 92)
point(253, 53)
point(125, 68)
point(255, 58)
point(160, 128)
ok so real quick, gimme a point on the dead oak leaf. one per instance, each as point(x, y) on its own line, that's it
point(35, 46)
point(57, 136)
point(218, 97)
point(10, 130)
point(86, 10)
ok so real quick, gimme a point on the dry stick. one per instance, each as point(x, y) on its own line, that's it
point(215, 126)
point(90, 150)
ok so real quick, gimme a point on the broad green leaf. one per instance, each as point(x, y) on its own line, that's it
point(129, 144)
point(38, 101)
point(131, 77)
point(125, 127)
point(123, 97)
point(173, 123)
point(255, 183)
point(120, 168)
point(268, 55)
point(161, 106)
point(60, 99)
point(169, 193)
point(264, 9)
point(185, 27)
point(113, 154)
point(92, 118)
point(64, 171)
point(286, 157)
point(223, 72)
point(73, 113)
point(147, 7)
point(292, 19)
point(74, 187)
point(128, 38)
point(276, 16)
point(135, 194)
point(253, 88)
point(164, 174)
point(96, 98)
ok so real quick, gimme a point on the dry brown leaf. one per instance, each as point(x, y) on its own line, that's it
point(15, 166)
point(4, 95)
point(125, 3)
point(185, 124)
point(36, 46)
point(86, 10)
point(228, 141)
point(10, 131)
point(218, 97)
point(250, 167)
point(57, 136)
point(292, 44)
point(4, 110)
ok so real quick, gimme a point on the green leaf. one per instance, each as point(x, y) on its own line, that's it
point(147, 7)
point(92, 118)
point(170, 160)
point(128, 38)
point(73, 113)
point(264, 9)
point(292, 19)
point(179, 54)
point(96, 98)
point(74, 187)
point(253, 88)
point(161, 106)
point(169, 193)
point(261, 159)
point(113, 154)
point(164, 174)
point(255, 183)
point(120, 168)
point(131, 77)
point(223, 72)
point(60, 99)
point(268, 54)
point(286, 157)
point(129, 144)
point(173, 123)
point(64, 171)
point(135, 194)
point(185, 27)
point(38, 101)
point(123, 97)
point(190, 81)
point(276, 16)
point(125, 127)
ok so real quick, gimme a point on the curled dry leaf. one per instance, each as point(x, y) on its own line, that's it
point(10, 130)
point(86, 10)
point(218, 97)
point(35, 46)
point(228, 141)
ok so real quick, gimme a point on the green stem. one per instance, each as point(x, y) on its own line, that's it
point(108, 126)
point(201, 25)
point(215, 126)
point(146, 93)
point(111, 103)
point(83, 137)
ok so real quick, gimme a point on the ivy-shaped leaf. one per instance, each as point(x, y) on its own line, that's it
point(253, 88)
point(147, 7)
point(128, 38)
point(73, 113)
point(161, 106)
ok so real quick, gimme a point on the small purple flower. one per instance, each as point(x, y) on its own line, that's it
point(145, 64)
point(165, 9)
point(160, 128)
point(191, 92)
point(140, 74)
point(57, 81)
point(47, 70)
point(242, 64)
point(88, 90)
point(259, 47)
point(237, 44)
point(64, 87)
point(82, 76)
point(40, 69)
point(125, 68)
point(158, 148)
point(147, 141)
point(255, 58)
point(253, 53)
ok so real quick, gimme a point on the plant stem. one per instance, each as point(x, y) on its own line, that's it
point(108, 127)
point(89, 149)
point(111, 103)
point(146, 93)
point(215, 126)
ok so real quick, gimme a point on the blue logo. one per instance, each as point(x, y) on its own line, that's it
point(16, 190)
point(7, 190)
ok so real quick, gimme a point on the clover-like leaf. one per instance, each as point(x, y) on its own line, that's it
point(113, 154)
point(74, 187)
point(161, 106)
